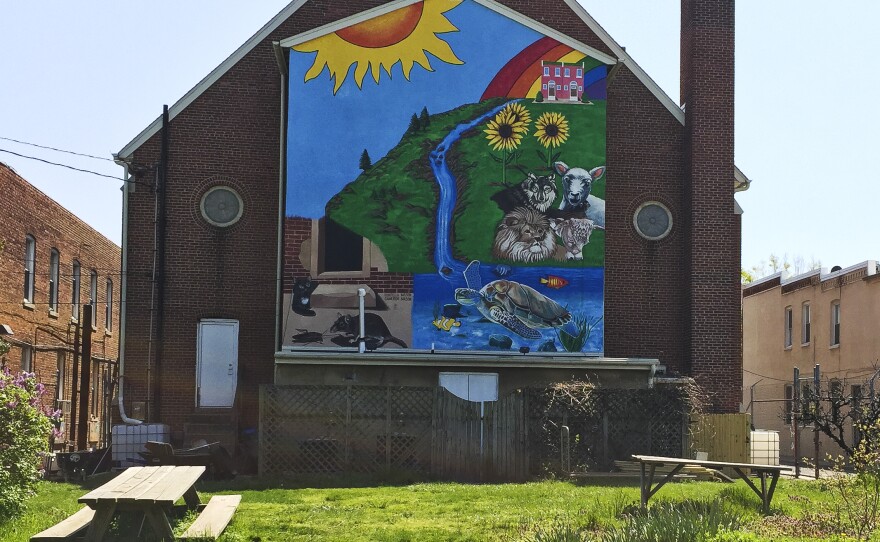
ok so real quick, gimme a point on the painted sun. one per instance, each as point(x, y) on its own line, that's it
point(404, 35)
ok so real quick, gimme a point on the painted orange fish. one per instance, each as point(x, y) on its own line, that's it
point(552, 281)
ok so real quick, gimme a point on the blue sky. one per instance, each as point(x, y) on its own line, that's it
point(88, 76)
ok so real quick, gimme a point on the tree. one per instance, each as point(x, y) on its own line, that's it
point(413, 124)
point(424, 118)
point(539, 97)
point(365, 162)
point(774, 264)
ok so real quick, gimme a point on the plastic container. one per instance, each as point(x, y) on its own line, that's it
point(128, 440)
point(765, 447)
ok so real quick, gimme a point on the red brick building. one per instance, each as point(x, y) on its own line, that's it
point(53, 265)
point(212, 258)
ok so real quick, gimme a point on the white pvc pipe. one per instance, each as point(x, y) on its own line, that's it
point(123, 293)
point(362, 345)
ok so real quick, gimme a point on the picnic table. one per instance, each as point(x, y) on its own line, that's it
point(153, 491)
point(650, 462)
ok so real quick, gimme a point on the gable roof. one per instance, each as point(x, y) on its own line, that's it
point(741, 182)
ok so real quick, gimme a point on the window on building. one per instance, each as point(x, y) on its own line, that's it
point(580, 72)
point(60, 376)
point(108, 307)
point(789, 402)
point(93, 296)
point(835, 392)
point(556, 72)
point(567, 72)
point(97, 387)
point(30, 256)
point(805, 324)
point(808, 403)
point(75, 287)
point(342, 249)
point(27, 358)
point(788, 324)
point(53, 280)
point(546, 70)
point(835, 323)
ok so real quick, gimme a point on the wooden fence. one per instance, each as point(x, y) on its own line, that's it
point(725, 437)
point(332, 430)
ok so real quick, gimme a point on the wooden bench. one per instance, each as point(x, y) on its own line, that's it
point(69, 527)
point(646, 479)
point(214, 518)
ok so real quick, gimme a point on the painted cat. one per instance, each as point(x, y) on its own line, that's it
point(301, 296)
point(376, 332)
point(534, 192)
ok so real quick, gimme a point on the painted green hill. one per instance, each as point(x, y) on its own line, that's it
point(394, 202)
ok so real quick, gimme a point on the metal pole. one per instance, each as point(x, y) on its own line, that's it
point(816, 385)
point(84, 380)
point(74, 378)
point(795, 420)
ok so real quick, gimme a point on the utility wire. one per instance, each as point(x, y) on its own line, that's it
point(71, 167)
point(56, 150)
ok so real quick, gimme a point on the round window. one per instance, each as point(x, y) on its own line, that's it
point(653, 220)
point(222, 206)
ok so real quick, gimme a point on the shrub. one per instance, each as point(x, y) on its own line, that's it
point(25, 429)
point(687, 521)
point(856, 501)
point(539, 97)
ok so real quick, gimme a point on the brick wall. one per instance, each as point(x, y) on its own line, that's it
point(24, 210)
point(232, 132)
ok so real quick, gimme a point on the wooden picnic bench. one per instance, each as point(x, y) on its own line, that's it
point(153, 491)
point(650, 462)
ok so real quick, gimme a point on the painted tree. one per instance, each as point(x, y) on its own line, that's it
point(413, 124)
point(365, 162)
point(539, 97)
point(424, 118)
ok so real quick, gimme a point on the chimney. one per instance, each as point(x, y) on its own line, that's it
point(707, 77)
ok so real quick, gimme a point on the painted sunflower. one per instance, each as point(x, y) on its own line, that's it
point(551, 129)
point(520, 114)
point(504, 132)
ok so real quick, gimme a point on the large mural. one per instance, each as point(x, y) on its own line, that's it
point(449, 162)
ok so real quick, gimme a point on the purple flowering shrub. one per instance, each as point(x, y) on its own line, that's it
point(25, 429)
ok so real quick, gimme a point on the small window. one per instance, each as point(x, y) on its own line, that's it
point(789, 399)
point(27, 358)
point(808, 403)
point(835, 323)
point(835, 392)
point(75, 288)
point(108, 307)
point(805, 324)
point(580, 72)
point(556, 72)
point(567, 72)
point(93, 296)
point(788, 323)
point(546, 70)
point(53, 280)
point(97, 387)
point(30, 256)
point(342, 248)
point(60, 376)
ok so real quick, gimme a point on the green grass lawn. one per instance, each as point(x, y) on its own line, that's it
point(442, 511)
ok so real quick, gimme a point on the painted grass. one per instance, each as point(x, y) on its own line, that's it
point(435, 511)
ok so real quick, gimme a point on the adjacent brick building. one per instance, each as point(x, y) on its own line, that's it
point(671, 226)
point(54, 264)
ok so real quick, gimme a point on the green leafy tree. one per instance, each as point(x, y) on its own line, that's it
point(25, 429)
point(365, 162)
point(539, 97)
point(424, 118)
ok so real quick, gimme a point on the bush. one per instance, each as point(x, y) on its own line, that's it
point(687, 521)
point(25, 429)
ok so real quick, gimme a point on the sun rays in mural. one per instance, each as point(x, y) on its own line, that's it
point(404, 35)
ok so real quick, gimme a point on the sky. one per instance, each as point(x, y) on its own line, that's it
point(89, 76)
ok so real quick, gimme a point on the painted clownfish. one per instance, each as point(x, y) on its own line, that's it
point(552, 281)
point(446, 324)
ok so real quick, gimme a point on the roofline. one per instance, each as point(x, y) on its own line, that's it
point(740, 179)
point(785, 277)
point(489, 4)
point(212, 77)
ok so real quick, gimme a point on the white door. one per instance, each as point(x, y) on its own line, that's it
point(217, 363)
point(477, 387)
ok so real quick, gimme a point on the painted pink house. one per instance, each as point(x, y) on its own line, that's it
point(561, 81)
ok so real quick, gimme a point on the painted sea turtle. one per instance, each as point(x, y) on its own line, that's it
point(517, 307)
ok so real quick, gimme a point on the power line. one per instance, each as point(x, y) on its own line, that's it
point(70, 167)
point(56, 150)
